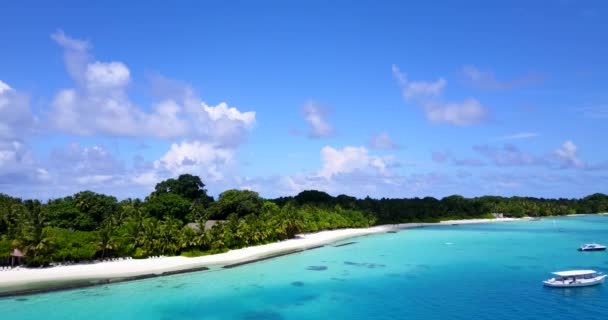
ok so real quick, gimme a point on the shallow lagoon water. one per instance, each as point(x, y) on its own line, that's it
point(485, 271)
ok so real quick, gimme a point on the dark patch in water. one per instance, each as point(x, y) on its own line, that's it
point(297, 284)
point(308, 297)
point(391, 231)
point(423, 266)
point(345, 244)
point(317, 268)
point(263, 315)
point(337, 279)
point(364, 264)
point(21, 299)
point(181, 285)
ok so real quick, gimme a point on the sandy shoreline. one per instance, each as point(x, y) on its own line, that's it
point(62, 276)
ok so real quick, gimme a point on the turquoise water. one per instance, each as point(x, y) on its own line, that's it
point(485, 271)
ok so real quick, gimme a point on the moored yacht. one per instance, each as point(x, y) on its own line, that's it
point(592, 247)
point(575, 278)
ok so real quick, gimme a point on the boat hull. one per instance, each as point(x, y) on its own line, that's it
point(594, 249)
point(573, 284)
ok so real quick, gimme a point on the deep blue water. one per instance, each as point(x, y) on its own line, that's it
point(486, 271)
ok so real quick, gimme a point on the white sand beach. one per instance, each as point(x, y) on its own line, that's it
point(36, 278)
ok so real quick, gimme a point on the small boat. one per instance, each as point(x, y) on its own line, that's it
point(575, 278)
point(592, 247)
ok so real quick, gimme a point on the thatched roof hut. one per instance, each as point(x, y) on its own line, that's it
point(208, 225)
point(17, 253)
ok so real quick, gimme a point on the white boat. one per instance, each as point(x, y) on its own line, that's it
point(575, 278)
point(592, 247)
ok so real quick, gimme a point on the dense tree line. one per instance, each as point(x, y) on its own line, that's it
point(171, 220)
point(430, 209)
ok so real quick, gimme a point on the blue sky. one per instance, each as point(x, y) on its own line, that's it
point(387, 99)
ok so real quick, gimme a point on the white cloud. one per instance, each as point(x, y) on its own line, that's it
point(315, 117)
point(222, 111)
point(566, 154)
point(418, 89)
point(382, 141)
point(487, 80)
point(101, 75)
point(521, 135)
point(427, 95)
point(18, 166)
point(13, 152)
point(509, 155)
point(16, 119)
point(4, 87)
point(94, 179)
point(468, 112)
point(77, 161)
point(206, 160)
point(75, 54)
point(69, 43)
point(100, 104)
point(348, 160)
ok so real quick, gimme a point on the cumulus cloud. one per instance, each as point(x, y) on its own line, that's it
point(382, 141)
point(567, 157)
point(416, 89)
point(107, 76)
point(315, 116)
point(75, 54)
point(17, 164)
point(4, 87)
point(16, 119)
point(348, 160)
point(209, 161)
point(88, 165)
point(508, 155)
point(100, 104)
point(427, 95)
point(487, 80)
point(443, 157)
point(464, 113)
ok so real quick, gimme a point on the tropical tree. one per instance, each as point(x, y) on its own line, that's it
point(168, 205)
point(239, 202)
point(187, 186)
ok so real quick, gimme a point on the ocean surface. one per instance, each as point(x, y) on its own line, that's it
point(484, 271)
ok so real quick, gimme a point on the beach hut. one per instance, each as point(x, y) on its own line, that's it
point(16, 255)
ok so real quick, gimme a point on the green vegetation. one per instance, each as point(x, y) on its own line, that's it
point(171, 220)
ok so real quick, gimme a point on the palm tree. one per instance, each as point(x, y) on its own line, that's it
point(106, 237)
point(34, 236)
